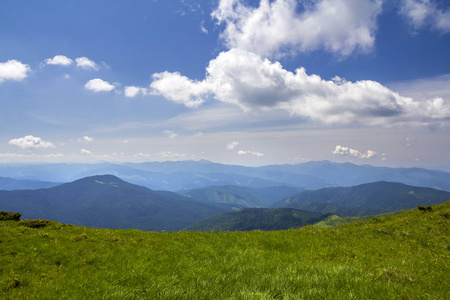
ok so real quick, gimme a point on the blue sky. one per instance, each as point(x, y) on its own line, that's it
point(232, 81)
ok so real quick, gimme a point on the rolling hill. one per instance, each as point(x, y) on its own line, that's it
point(364, 199)
point(258, 219)
point(109, 202)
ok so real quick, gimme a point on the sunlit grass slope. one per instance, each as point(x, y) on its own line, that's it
point(405, 256)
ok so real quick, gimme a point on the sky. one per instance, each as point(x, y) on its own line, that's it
point(230, 81)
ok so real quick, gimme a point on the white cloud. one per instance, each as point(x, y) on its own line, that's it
point(346, 151)
point(232, 145)
point(170, 134)
point(13, 70)
point(99, 85)
point(163, 154)
point(33, 155)
point(86, 152)
point(198, 134)
point(276, 28)
point(86, 64)
point(88, 138)
point(245, 79)
point(29, 142)
point(255, 153)
point(421, 13)
point(133, 91)
point(59, 60)
point(179, 89)
point(168, 154)
point(203, 29)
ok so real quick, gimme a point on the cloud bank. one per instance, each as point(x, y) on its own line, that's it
point(30, 142)
point(245, 79)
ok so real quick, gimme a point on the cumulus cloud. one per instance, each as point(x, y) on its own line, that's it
point(170, 134)
point(99, 85)
point(346, 151)
point(255, 153)
point(421, 13)
point(30, 142)
point(59, 60)
point(86, 64)
point(232, 145)
point(280, 27)
point(245, 79)
point(179, 89)
point(133, 91)
point(13, 70)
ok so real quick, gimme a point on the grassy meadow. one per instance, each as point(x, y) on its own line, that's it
point(405, 256)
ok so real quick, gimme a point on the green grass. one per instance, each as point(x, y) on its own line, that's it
point(406, 256)
point(335, 220)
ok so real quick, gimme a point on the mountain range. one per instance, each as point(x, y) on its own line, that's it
point(108, 202)
point(187, 175)
point(241, 197)
point(364, 199)
point(144, 198)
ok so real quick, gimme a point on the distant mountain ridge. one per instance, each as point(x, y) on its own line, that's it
point(10, 184)
point(241, 196)
point(364, 199)
point(108, 202)
point(187, 175)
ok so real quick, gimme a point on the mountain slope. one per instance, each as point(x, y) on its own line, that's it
point(377, 197)
point(10, 184)
point(241, 196)
point(108, 202)
point(258, 219)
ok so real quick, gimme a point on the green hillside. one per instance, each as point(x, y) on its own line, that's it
point(364, 199)
point(406, 256)
point(258, 219)
point(108, 202)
